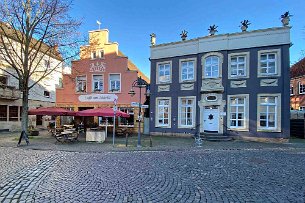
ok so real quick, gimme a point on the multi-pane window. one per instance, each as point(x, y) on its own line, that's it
point(46, 63)
point(237, 112)
point(98, 83)
point(81, 84)
point(238, 66)
point(3, 113)
point(163, 107)
point(187, 70)
point(127, 121)
point(211, 67)
point(301, 88)
point(114, 82)
point(186, 114)
point(13, 113)
point(268, 64)
point(302, 108)
point(164, 72)
point(268, 112)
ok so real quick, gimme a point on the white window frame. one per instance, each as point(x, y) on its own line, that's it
point(93, 90)
point(291, 90)
point(76, 89)
point(277, 61)
point(245, 126)
point(277, 127)
point(109, 83)
point(157, 112)
point(94, 53)
point(181, 61)
point(170, 72)
point(193, 106)
point(246, 64)
point(303, 87)
point(220, 62)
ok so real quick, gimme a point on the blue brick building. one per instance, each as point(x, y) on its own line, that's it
point(229, 84)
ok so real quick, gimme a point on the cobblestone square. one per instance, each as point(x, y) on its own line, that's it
point(216, 172)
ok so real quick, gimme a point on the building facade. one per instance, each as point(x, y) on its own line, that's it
point(231, 84)
point(297, 86)
point(42, 94)
point(102, 74)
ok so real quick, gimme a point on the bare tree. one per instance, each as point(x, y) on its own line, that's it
point(32, 34)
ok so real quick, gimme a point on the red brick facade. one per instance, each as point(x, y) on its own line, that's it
point(297, 86)
point(100, 63)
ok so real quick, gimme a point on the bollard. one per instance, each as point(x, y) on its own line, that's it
point(126, 140)
point(150, 141)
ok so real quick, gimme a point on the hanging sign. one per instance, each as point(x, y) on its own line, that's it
point(97, 97)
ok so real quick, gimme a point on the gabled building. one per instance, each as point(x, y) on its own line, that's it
point(297, 85)
point(103, 73)
point(229, 84)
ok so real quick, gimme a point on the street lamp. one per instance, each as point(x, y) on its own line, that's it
point(139, 83)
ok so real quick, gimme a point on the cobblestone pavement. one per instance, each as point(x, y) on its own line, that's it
point(248, 174)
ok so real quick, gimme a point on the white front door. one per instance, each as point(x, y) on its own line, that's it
point(210, 119)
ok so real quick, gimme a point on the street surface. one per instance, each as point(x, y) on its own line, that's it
point(212, 173)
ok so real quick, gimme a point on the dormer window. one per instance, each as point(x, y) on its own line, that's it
point(101, 53)
point(93, 55)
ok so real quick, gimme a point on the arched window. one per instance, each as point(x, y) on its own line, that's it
point(211, 67)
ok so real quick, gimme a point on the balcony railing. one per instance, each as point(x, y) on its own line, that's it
point(9, 92)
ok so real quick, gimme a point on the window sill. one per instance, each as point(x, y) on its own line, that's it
point(187, 81)
point(186, 126)
point(268, 130)
point(268, 76)
point(163, 126)
point(239, 129)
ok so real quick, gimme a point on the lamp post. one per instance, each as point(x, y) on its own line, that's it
point(139, 83)
point(114, 114)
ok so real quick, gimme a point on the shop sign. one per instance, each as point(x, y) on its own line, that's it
point(97, 98)
point(98, 67)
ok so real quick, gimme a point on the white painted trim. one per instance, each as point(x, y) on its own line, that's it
point(92, 83)
point(278, 112)
point(76, 84)
point(240, 40)
point(246, 113)
point(180, 69)
point(170, 72)
point(110, 84)
point(247, 64)
point(278, 57)
point(194, 111)
point(299, 84)
point(169, 112)
point(220, 62)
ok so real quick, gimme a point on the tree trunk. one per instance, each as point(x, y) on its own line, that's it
point(24, 115)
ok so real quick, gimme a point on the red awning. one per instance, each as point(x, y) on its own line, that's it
point(106, 112)
point(51, 111)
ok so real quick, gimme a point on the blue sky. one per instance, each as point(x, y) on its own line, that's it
point(130, 22)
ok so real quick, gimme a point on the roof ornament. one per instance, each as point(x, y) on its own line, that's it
point(285, 18)
point(244, 25)
point(183, 35)
point(212, 30)
point(99, 24)
point(153, 39)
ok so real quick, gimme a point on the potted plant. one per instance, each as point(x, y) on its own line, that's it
point(183, 35)
point(213, 29)
point(244, 25)
point(285, 18)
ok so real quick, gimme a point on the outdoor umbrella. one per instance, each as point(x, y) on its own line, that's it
point(51, 111)
point(106, 112)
